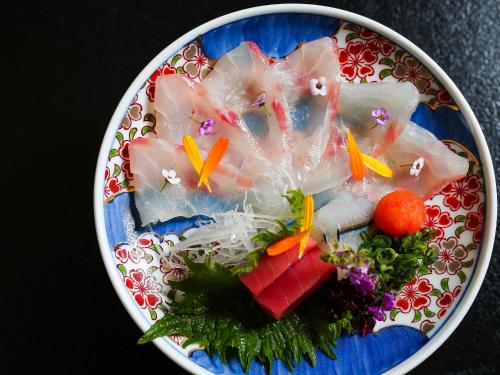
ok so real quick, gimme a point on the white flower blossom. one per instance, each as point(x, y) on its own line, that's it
point(318, 86)
point(417, 167)
point(170, 176)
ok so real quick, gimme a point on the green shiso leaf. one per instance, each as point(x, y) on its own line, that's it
point(213, 309)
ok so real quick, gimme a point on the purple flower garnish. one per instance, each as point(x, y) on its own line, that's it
point(261, 100)
point(381, 116)
point(359, 278)
point(206, 127)
point(388, 301)
point(376, 312)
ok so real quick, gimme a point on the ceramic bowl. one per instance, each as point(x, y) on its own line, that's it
point(463, 214)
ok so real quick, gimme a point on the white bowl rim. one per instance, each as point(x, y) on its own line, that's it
point(490, 184)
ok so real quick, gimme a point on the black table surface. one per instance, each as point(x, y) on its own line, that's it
point(68, 66)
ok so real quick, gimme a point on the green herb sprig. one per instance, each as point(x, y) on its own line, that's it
point(398, 260)
point(267, 237)
point(214, 310)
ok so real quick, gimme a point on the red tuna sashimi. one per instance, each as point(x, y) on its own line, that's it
point(280, 286)
point(295, 285)
point(272, 267)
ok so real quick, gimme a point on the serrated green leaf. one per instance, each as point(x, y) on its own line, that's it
point(112, 153)
point(444, 284)
point(119, 137)
point(175, 59)
point(459, 231)
point(385, 73)
point(462, 276)
point(122, 269)
point(116, 170)
point(386, 61)
point(132, 132)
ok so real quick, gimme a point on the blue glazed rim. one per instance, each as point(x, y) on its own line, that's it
point(490, 188)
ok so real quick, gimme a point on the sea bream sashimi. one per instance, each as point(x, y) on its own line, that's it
point(182, 107)
point(356, 105)
point(440, 165)
point(242, 89)
point(310, 80)
point(159, 199)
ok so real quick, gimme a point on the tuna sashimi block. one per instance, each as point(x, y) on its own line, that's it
point(281, 282)
point(295, 285)
point(272, 267)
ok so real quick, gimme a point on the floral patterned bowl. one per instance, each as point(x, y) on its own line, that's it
point(463, 214)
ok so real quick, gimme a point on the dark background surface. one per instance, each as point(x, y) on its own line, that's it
point(68, 68)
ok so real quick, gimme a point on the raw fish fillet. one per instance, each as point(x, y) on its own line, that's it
point(147, 159)
point(272, 267)
point(312, 130)
point(344, 212)
point(442, 166)
point(234, 85)
point(357, 101)
point(282, 286)
point(180, 103)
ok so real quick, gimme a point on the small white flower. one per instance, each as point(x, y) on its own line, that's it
point(417, 167)
point(170, 176)
point(318, 86)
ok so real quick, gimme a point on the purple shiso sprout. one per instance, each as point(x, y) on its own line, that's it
point(377, 312)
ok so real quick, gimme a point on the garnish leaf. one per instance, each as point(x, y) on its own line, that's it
point(217, 312)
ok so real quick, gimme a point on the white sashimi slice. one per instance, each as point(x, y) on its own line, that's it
point(234, 86)
point(313, 133)
point(357, 101)
point(441, 165)
point(148, 157)
point(344, 212)
point(181, 103)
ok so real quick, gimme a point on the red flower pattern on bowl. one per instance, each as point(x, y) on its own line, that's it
point(437, 220)
point(474, 222)
point(356, 60)
point(126, 170)
point(144, 289)
point(112, 185)
point(462, 193)
point(446, 299)
point(376, 43)
point(414, 295)
point(163, 70)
